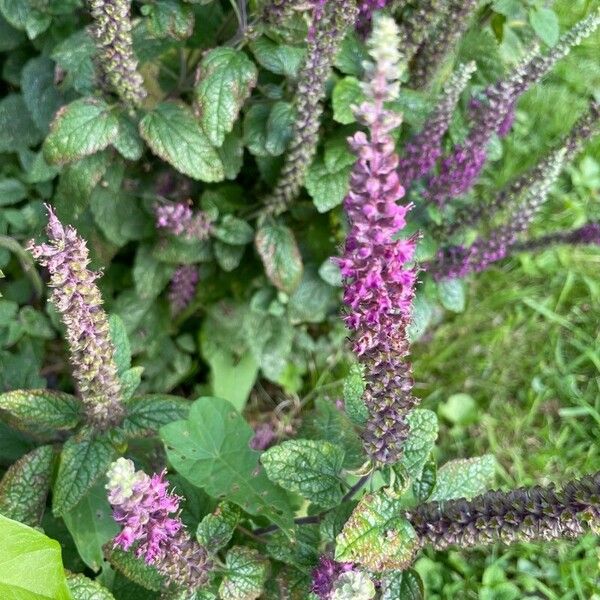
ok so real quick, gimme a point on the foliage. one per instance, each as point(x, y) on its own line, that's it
point(247, 390)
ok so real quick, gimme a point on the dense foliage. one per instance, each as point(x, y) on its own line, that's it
point(227, 230)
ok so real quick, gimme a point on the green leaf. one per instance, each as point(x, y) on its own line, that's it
point(425, 483)
point(228, 256)
point(268, 128)
point(120, 340)
point(82, 588)
point(10, 37)
point(423, 426)
point(231, 153)
point(226, 78)
point(346, 94)
point(464, 478)
point(11, 191)
point(128, 142)
point(354, 388)
point(352, 55)
point(170, 18)
point(149, 275)
point(215, 530)
point(402, 585)
point(277, 58)
point(130, 381)
point(39, 92)
point(174, 134)
point(25, 16)
point(281, 258)
point(231, 377)
point(91, 525)
point(459, 409)
point(79, 129)
point(327, 189)
point(232, 230)
point(301, 553)
point(146, 415)
point(134, 568)
point(74, 56)
point(421, 315)
point(245, 575)
point(312, 300)
point(30, 564)
point(545, 23)
point(17, 129)
point(451, 293)
point(82, 463)
point(377, 535)
point(38, 410)
point(25, 485)
point(211, 450)
point(310, 468)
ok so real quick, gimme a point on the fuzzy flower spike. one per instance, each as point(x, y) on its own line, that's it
point(151, 526)
point(379, 284)
point(78, 300)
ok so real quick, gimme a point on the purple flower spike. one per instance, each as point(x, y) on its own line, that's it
point(77, 298)
point(325, 574)
point(378, 281)
point(183, 287)
point(178, 218)
point(148, 513)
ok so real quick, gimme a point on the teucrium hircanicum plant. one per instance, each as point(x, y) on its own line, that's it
point(240, 248)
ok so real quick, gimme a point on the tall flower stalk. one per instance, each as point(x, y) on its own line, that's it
point(111, 29)
point(492, 113)
point(586, 128)
point(521, 515)
point(152, 528)
point(457, 261)
point(453, 22)
point(587, 235)
point(423, 150)
point(379, 283)
point(325, 36)
point(77, 298)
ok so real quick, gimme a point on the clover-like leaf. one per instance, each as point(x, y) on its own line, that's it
point(174, 134)
point(225, 80)
point(310, 468)
point(377, 535)
point(245, 575)
point(83, 127)
point(211, 450)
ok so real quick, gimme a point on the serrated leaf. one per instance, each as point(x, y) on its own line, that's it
point(38, 410)
point(146, 415)
point(327, 189)
point(25, 16)
point(171, 18)
point(245, 576)
point(130, 381)
point(82, 463)
point(128, 142)
point(402, 585)
point(226, 78)
point(120, 340)
point(174, 134)
point(30, 564)
point(149, 275)
point(232, 230)
point(79, 129)
point(451, 293)
point(346, 94)
point(464, 478)
point(377, 535)
point(39, 92)
point(74, 56)
point(423, 425)
point(424, 484)
point(134, 568)
point(276, 245)
point(25, 486)
point(310, 468)
point(11, 191)
point(231, 153)
point(83, 588)
point(91, 525)
point(211, 450)
point(17, 129)
point(215, 530)
point(268, 128)
point(277, 58)
point(228, 256)
point(352, 55)
point(301, 553)
point(354, 388)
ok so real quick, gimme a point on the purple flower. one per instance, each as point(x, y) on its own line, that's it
point(423, 150)
point(366, 8)
point(77, 298)
point(183, 287)
point(378, 281)
point(325, 574)
point(178, 218)
point(264, 437)
point(151, 526)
